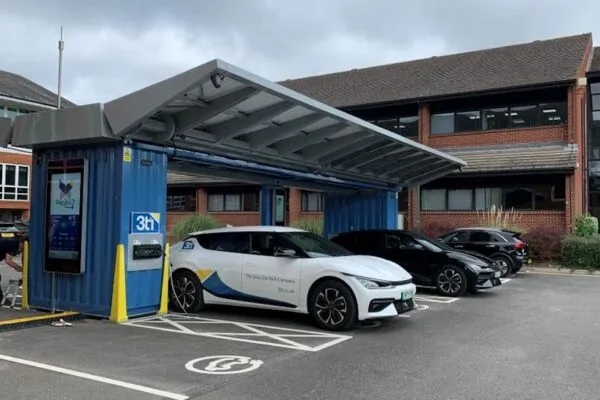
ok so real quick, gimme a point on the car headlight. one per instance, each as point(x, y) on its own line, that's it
point(373, 283)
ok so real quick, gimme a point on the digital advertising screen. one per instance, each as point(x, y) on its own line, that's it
point(65, 216)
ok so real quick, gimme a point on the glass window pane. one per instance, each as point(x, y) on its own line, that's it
point(233, 202)
point(523, 116)
point(495, 118)
point(433, 199)
point(553, 113)
point(485, 198)
point(10, 175)
point(23, 176)
point(480, 237)
point(409, 126)
point(11, 112)
point(518, 198)
point(467, 121)
point(22, 197)
point(460, 199)
point(442, 123)
point(250, 201)
point(215, 202)
point(595, 88)
point(2, 111)
point(391, 124)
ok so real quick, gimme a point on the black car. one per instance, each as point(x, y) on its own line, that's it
point(430, 263)
point(10, 236)
point(502, 245)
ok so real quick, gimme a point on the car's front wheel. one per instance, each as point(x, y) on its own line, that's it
point(332, 306)
point(451, 281)
point(186, 292)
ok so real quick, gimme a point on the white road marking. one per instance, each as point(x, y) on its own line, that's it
point(96, 378)
point(222, 365)
point(437, 299)
point(280, 337)
point(504, 280)
point(417, 309)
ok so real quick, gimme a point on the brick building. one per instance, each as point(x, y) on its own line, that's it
point(518, 115)
point(19, 95)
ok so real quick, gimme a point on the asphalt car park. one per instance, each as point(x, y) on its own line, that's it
point(532, 338)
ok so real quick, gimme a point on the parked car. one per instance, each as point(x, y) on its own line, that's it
point(502, 245)
point(10, 236)
point(431, 264)
point(286, 269)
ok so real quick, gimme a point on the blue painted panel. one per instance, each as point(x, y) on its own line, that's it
point(143, 189)
point(90, 292)
point(366, 211)
point(266, 205)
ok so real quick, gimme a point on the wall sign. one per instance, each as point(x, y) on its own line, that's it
point(145, 222)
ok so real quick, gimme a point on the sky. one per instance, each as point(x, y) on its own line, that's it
point(113, 47)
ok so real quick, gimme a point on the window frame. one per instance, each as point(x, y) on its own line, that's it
point(304, 201)
point(17, 186)
point(241, 202)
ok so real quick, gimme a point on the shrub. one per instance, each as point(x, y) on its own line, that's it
point(500, 218)
point(581, 252)
point(195, 223)
point(314, 225)
point(436, 229)
point(544, 243)
point(586, 225)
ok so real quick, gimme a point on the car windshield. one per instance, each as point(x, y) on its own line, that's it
point(316, 246)
point(431, 244)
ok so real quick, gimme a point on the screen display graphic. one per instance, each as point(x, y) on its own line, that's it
point(65, 217)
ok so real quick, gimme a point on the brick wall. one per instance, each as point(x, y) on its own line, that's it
point(529, 219)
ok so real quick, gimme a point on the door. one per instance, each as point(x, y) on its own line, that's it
point(271, 272)
point(220, 266)
point(410, 254)
point(279, 207)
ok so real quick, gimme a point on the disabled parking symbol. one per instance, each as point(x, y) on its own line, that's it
point(223, 365)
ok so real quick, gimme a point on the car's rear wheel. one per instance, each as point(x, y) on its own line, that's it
point(332, 306)
point(451, 281)
point(504, 263)
point(186, 292)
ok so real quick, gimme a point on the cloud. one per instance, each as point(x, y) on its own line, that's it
point(113, 47)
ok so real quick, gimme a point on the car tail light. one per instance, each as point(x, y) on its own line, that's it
point(519, 245)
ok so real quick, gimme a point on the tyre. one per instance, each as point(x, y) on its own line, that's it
point(332, 306)
point(504, 263)
point(451, 281)
point(187, 296)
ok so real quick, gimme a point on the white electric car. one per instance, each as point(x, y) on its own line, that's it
point(287, 269)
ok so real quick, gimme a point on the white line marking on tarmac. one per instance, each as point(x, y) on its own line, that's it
point(435, 299)
point(96, 378)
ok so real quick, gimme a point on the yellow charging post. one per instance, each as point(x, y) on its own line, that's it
point(164, 293)
point(25, 277)
point(118, 309)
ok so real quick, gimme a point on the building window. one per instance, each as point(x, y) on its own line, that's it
point(11, 112)
point(312, 201)
point(405, 126)
point(515, 117)
point(526, 198)
point(15, 182)
point(181, 199)
point(232, 202)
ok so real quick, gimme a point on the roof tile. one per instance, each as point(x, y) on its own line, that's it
point(21, 88)
point(538, 62)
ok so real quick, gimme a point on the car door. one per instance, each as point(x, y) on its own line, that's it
point(271, 272)
point(220, 263)
point(410, 254)
point(483, 242)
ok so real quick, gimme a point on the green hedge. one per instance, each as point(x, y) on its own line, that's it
point(314, 225)
point(195, 223)
point(586, 225)
point(581, 252)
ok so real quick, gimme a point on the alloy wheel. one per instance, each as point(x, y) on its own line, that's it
point(503, 265)
point(331, 306)
point(185, 292)
point(450, 281)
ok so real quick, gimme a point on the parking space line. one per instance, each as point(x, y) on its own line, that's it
point(279, 337)
point(96, 378)
point(504, 280)
point(435, 299)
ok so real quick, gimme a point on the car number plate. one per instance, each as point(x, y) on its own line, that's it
point(529, 261)
point(8, 235)
point(497, 274)
point(406, 295)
